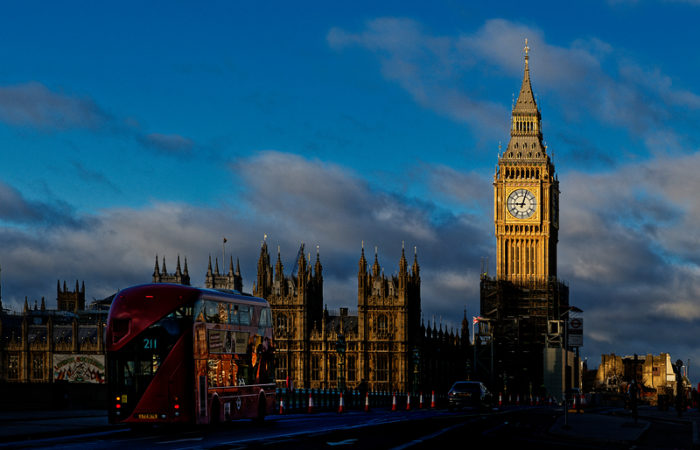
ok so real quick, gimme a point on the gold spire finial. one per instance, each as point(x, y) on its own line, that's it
point(527, 49)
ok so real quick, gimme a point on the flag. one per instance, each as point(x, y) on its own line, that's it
point(475, 320)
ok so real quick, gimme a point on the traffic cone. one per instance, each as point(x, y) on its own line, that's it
point(393, 402)
point(341, 405)
point(281, 406)
point(408, 402)
point(500, 400)
point(311, 403)
point(420, 401)
point(432, 400)
point(517, 400)
point(367, 402)
point(510, 399)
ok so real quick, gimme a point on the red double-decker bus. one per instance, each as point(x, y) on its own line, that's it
point(179, 354)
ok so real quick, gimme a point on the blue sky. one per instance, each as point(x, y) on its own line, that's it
point(133, 129)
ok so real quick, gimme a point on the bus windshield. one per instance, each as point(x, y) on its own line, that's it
point(134, 366)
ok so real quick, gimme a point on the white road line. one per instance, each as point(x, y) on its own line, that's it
point(181, 440)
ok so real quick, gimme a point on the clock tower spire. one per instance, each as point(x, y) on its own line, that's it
point(526, 193)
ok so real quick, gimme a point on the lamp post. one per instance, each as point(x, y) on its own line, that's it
point(416, 372)
point(340, 349)
point(564, 316)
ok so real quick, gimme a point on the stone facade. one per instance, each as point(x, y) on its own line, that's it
point(653, 373)
point(385, 344)
point(45, 346)
point(213, 279)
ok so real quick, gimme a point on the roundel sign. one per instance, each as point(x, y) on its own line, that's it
point(575, 337)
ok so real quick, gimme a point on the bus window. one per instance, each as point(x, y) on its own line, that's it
point(212, 311)
point(233, 316)
point(244, 314)
point(265, 318)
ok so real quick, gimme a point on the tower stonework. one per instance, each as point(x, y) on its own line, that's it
point(297, 308)
point(525, 296)
point(161, 275)
point(526, 197)
point(70, 300)
point(228, 281)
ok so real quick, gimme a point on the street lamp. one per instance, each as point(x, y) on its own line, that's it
point(340, 349)
point(416, 373)
point(565, 353)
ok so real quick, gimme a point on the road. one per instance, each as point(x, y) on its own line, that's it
point(417, 429)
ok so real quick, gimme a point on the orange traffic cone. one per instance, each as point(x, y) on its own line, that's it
point(311, 403)
point(393, 402)
point(341, 405)
point(432, 400)
point(281, 406)
point(367, 402)
point(500, 400)
point(408, 402)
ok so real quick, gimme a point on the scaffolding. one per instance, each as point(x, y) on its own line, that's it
point(518, 313)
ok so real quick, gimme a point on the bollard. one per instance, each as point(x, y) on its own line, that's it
point(311, 403)
point(432, 400)
point(341, 404)
point(408, 402)
point(393, 402)
point(281, 406)
point(420, 401)
point(367, 402)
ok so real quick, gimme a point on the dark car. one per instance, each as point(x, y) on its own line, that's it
point(469, 394)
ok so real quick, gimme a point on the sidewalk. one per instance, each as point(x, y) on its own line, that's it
point(618, 426)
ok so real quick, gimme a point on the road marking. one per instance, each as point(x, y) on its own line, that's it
point(181, 440)
point(345, 442)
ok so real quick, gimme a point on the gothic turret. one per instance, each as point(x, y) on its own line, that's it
point(161, 275)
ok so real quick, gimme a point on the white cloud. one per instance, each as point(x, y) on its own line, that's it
point(588, 73)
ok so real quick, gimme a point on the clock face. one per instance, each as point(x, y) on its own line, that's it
point(522, 204)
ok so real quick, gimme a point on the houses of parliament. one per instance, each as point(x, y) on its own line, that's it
point(386, 345)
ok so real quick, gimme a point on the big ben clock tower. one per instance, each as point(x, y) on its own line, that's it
point(526, 194)
point(521, 305)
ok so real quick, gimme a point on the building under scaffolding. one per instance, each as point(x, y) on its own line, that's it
point(520, 321)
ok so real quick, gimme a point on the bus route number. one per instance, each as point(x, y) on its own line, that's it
point(150, 343)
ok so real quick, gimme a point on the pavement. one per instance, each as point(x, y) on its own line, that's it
point(617, 426)
point(603, 426)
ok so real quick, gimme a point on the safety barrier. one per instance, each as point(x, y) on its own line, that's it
point(291, 401)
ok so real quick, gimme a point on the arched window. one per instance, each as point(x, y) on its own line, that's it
point(282, 325)
point(382, 324)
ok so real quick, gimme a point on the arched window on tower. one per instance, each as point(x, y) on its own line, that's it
point(382, 324)
point(282, 325)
